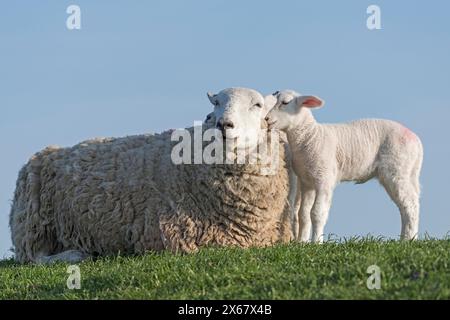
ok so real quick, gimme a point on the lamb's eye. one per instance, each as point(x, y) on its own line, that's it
point(217, 104)
point(258, 105)
point(282, 104)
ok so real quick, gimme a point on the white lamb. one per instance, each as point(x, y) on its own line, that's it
point(326, 154)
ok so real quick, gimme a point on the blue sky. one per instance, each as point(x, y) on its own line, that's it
point(145, 66)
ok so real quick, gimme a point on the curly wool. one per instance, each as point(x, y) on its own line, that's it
point(106, 196)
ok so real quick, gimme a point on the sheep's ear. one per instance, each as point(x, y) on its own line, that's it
point(209, 116)
point(212, 98)
point(309, 102)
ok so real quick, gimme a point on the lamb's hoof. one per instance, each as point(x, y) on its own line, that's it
point(70, 256)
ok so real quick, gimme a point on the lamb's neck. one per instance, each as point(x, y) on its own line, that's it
point(303, 132)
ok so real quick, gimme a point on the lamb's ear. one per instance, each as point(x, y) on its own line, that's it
point(269, 102)
point(309, 102)
point(212, 98)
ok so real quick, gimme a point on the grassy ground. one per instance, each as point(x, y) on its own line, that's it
point(409, 270)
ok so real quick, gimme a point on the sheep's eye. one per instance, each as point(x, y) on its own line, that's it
point(208, 118)
point(217, 104)
point(258, 105)
point(284, 103)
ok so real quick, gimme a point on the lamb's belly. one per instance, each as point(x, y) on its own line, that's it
point(359, 174)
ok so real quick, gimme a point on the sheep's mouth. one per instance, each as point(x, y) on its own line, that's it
point(229, 139)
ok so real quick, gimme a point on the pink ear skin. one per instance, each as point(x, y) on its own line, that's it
point(309, 102)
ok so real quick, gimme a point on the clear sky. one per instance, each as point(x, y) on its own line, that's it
point(145, 66)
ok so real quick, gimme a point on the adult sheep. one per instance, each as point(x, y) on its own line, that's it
point(126, 195)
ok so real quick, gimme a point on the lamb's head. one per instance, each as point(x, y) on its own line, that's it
point(291, 109)
point(238, 113)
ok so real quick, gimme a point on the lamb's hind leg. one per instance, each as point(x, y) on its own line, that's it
point(70, 256)
point(412, 203)
point(400, 178)
point(404, 193)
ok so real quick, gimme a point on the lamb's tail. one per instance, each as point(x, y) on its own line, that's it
point(415, 175)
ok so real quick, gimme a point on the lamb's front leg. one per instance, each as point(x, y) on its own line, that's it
point(296, 208)
point(304, 218)
point(319, 212)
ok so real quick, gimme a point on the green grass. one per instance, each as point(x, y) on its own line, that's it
point(409, 270)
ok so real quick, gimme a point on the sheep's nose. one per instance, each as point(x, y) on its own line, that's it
point(266, 118)
point(228, 125)
point(224, 125)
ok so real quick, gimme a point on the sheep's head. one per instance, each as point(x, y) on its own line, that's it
point(290, 109)
point(210, 120)
point(238, 113)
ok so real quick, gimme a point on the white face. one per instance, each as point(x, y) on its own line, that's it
point(238, 113)
point(287, 112)
point(282, 114)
